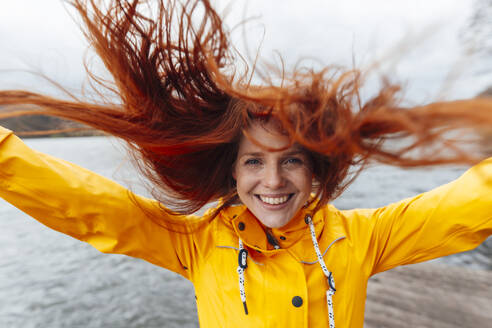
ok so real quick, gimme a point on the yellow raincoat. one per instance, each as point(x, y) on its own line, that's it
point(284, 287)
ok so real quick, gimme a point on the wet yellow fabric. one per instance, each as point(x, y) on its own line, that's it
point(357, 243)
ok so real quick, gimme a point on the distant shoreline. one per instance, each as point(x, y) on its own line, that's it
point(91, 133)
point(42, 126)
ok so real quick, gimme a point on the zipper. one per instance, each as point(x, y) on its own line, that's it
point(271, 240)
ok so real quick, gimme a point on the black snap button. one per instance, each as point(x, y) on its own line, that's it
point(306, 219)
point(282, 238)
point(234, 216)
point(241, 226)
point(297, 301)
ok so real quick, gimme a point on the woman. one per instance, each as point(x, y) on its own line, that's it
point(272, 253)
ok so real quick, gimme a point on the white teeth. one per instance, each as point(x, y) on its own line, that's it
point(274, 200)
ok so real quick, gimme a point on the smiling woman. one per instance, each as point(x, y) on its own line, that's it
point(273, 185)
point(273, 156)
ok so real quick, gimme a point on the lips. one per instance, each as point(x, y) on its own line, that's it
point(275, 199)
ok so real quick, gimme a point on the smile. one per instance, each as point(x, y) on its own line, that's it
point(275, 200)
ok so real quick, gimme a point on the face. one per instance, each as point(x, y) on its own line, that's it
point(274, 185)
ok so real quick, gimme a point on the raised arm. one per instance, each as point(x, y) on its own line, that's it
point(89, 207)
point(452, 218)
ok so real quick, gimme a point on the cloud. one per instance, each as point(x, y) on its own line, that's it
point(42, 34)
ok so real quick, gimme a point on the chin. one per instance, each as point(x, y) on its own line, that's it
point(272, 222)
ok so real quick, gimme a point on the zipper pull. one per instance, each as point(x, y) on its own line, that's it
point(272, 241)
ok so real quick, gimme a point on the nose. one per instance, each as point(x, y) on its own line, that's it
point(273, 178)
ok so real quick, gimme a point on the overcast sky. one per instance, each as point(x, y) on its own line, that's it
point(420, 36)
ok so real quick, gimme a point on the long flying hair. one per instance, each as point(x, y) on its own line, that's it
point(182, 108)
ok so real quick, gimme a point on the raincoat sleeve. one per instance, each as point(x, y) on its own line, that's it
point(89, 207)
point(452, 218)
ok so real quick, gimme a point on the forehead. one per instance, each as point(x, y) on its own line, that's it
point(264, 137)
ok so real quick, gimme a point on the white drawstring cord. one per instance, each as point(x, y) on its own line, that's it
point(242, 265)
point(329, 276)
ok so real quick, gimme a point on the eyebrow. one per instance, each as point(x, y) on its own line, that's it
point(254, 154)
point(295, 152)
point(289, 153)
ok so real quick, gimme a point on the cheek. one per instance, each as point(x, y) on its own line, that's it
point(304, 182)
point(244, 181)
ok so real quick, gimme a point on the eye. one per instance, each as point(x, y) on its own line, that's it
point(252, 162)
point(294, 161)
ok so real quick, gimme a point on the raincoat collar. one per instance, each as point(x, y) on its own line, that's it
point(254, 234)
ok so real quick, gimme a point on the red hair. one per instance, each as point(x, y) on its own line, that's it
point(182, 109)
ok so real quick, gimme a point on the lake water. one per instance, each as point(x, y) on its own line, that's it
point(49, 280)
